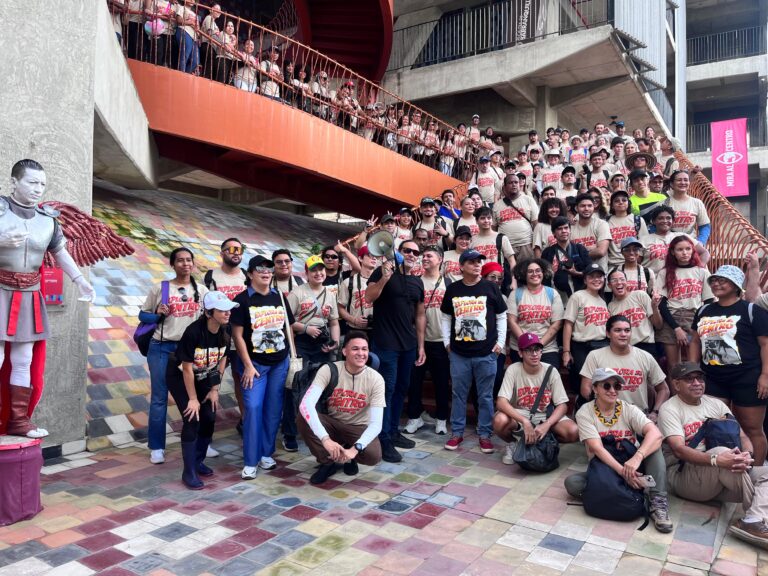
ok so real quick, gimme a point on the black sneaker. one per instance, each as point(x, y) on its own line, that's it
point(324, 472)
point(290, 444)
point(389, 454)
point(403, 442)
point(351, 468)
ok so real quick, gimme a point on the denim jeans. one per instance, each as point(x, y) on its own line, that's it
point(395, 367)
point(263, 407)
point(189, 55)
point(157, 361)
point(463, 369)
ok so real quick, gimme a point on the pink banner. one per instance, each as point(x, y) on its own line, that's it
point(729, 157)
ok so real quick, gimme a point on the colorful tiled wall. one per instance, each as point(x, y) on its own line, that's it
point(155, 223)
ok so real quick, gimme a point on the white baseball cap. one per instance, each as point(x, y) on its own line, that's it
point(216, 300)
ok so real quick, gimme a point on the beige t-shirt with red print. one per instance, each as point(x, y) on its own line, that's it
point(690, 289)
point(638, 308)
point(622, 228)
point(521, 388)
point(359, 307)
point(451, 266)
point(184, 309)
point(657, 247)
point(638, 368)
point(690, 214)
point(588, 236)
point(630, 423)
point(434, 290)
point(230, 284)
point(542, 236)
point(486, 245)
point(471, 223)
point(676, 418)
point(535, 313)
point(315, 310)
point(588, 314)
point(353, 395)
point(515, 221)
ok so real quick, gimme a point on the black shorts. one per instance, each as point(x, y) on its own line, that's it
point(742, 393)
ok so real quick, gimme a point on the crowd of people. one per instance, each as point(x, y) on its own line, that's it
point(563, 311)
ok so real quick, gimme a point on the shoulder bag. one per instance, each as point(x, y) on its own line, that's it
point(543, 455)
point(295, 363)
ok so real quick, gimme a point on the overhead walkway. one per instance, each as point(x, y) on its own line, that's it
point(302, 146)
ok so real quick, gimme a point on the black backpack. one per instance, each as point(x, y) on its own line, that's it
point(304, 378)
point(607, 495)
point(210, 283)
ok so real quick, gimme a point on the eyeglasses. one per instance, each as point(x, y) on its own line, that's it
point(262, 269)
point(232, 250)
point(608, 385)
point(534, 272)
point(408, 251)
point(534, 350)
point(183, 292)
point(691, 378)
point(330, 257)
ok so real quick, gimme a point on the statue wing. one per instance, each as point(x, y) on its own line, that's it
point(88, 240)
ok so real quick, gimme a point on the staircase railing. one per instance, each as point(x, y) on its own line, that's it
point(302, 77)
point(732, 236)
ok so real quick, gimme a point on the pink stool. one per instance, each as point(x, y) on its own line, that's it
point(20, 462)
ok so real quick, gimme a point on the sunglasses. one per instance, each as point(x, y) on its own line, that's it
point(232, 250)
point(331, 257)
point(408, 251)
point(183, 292)
point(608, 385)
point(692, 378)
point(262, 269)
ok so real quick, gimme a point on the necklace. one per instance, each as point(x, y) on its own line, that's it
point(609, 422)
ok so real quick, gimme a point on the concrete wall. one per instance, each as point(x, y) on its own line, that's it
point(124, 151)
point(47, 63)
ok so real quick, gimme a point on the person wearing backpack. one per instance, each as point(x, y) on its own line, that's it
point(535, 308)
point(608, 417)
point(514, 421)
point(515, 216)
point(709, 456)
point(345, 433)
point(622, 225)
point(730, 339)
point(494, 246)
point(284, 279)
point(567, 260)
point(183, 306)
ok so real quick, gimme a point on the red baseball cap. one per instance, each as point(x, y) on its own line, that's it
point(526, 340)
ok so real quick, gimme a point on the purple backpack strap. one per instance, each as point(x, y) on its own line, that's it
point(165, 287)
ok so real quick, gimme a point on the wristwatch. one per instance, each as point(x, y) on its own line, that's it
point(359, 447)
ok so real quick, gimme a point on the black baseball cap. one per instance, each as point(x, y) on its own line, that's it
point(593, 268)
point(635, 174)
point(259, 260)
point(568, 169)
point(461, 230)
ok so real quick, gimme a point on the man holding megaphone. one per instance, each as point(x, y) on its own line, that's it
point(398, 333)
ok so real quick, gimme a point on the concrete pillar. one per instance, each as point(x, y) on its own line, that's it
point(546, 115)
point(47, 66)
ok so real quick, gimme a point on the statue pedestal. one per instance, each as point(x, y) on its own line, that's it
point(21, 459)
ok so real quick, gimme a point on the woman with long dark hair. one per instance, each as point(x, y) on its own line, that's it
point(174, 305)
point(194, 375)
point(543, 237)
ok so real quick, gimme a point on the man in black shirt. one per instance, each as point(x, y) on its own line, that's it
point(474, 331)
point(398, 337)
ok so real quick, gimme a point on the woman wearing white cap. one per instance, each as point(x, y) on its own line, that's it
point(730, 338)
point(194, 376)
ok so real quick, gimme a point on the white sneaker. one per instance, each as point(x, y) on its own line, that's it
point(441, 427)
point(37, 433)
point(212, 452)
point(413, 425)
point(509, 452)
point(267, 463)
point(249, 473)
point(427, 418)
point(157, 456)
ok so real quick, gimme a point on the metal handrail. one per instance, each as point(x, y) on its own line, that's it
point(728, 45)
point(732, 236)
point(370, 110)
point(699, 136)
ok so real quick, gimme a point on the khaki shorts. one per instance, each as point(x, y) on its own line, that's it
point(684, 319)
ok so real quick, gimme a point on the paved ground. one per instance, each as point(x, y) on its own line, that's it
point(438, 513)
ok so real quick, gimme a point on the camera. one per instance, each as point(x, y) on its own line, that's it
point(324, 339)
point(567, 264)
point(369, 319)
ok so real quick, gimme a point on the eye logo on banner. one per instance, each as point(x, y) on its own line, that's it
point(729, 157)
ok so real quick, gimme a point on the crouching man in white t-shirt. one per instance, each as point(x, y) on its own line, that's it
point(720, 473)
point(517, 397)
point(348, 433)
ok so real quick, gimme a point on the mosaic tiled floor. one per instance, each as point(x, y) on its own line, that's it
point(437, 513)
point(155, 223)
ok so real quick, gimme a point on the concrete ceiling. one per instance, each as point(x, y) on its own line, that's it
point(201, 178)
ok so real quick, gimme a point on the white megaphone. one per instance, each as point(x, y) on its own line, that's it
point(382, 244)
